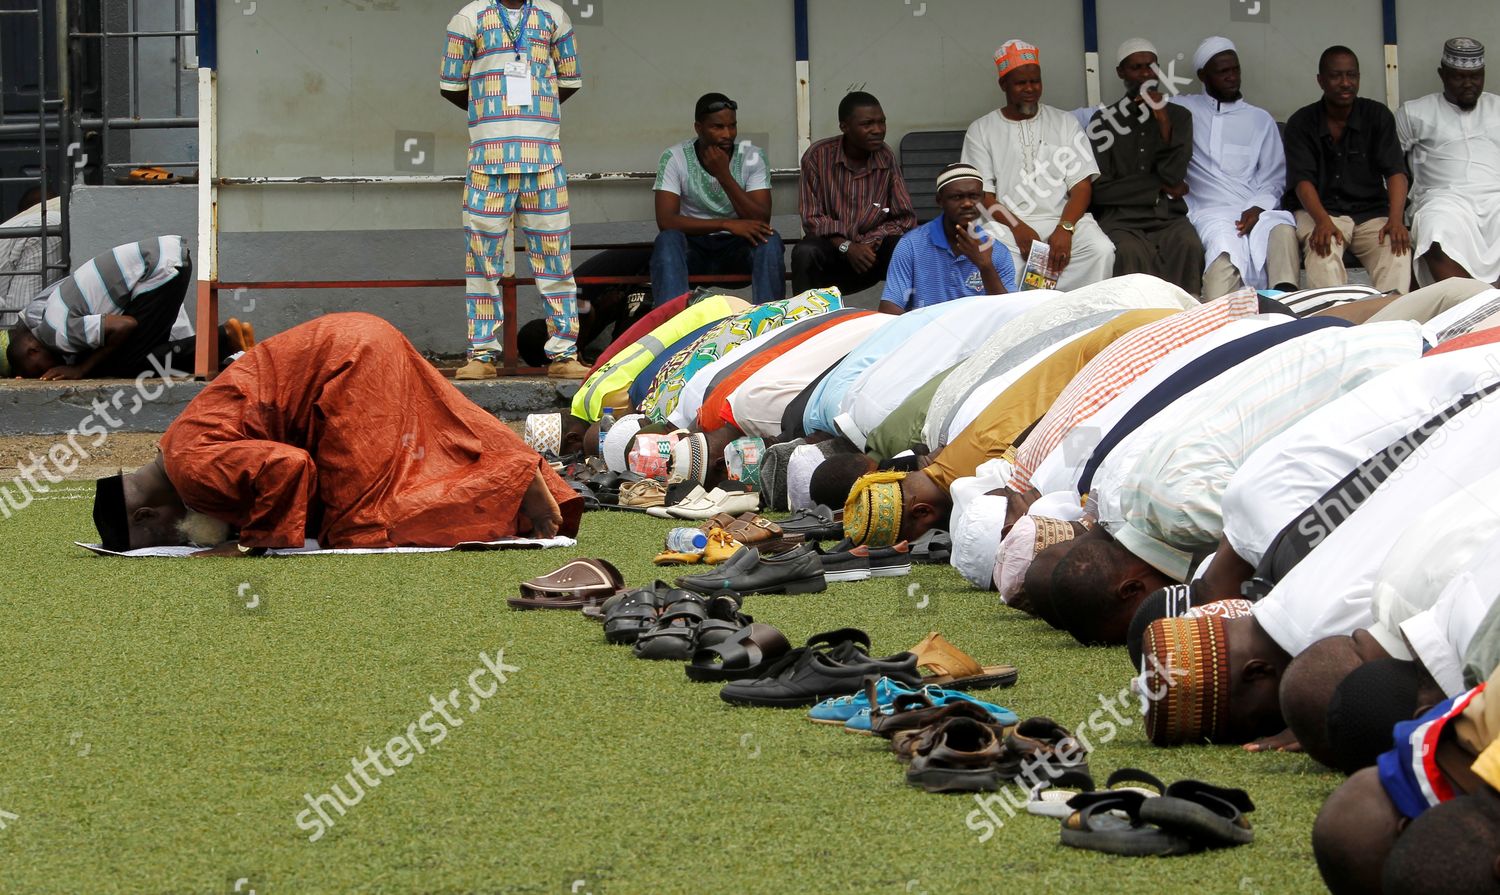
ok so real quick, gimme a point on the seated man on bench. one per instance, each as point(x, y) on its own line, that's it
point(713, 207)
point(340, 431)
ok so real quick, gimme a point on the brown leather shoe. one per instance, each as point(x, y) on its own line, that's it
point(959, 756)
point(1040, 749)
point(573, 586)
point(642, 494)
point(475, 370)
point(755, 530)
point(949, 667)
point(567, 368)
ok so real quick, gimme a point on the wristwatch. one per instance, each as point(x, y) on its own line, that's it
point(844, 248)
point(1066, 225)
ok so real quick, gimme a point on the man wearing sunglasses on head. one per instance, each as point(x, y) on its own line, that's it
point(713, 207)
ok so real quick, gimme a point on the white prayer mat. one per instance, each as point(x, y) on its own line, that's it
point(311, 548)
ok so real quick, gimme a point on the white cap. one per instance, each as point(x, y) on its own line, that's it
point(617, 441)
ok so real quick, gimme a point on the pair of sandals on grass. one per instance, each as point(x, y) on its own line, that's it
point(1185, 817)
point(666, 623)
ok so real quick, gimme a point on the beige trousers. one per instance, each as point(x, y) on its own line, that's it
point(1282, 266)
point(1388, 272)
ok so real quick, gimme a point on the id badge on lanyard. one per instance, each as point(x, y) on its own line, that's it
point(518, 67)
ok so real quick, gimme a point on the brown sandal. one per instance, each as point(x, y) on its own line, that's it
point(575, 585)
point(945, 665)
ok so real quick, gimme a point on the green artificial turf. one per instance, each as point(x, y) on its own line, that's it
point(155, 736)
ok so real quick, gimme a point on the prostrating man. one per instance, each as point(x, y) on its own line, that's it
point(887, 507)
point(511, 64)
point(1142, 145)
point(1037, 170)
point(1235, 180)
point(113, 317)
point(340, 431)
point(949, 256)
point(853, 202)
point(1346, 180)
point(1345, 535)
point(1453, 141)
point(713, 208)
point(1159, 494)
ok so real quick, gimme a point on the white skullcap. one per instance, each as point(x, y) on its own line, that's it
point(976, 539)
point(1210, 48)
point(1063, 505)
point(805, 460)
point(958, 171)
point(617, 441)
point(544, 433)
point(978, 519)
point(1131, 47)
point(1015, 556)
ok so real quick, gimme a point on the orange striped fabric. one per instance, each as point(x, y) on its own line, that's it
point(1115, 368)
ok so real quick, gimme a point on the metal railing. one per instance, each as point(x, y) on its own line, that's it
point(64, 133)
point(46, 120)
point(101, 44)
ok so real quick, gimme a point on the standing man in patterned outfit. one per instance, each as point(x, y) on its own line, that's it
point(511, 64)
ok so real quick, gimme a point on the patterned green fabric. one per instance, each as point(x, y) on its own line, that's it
point(588, 403)
point(666, 388)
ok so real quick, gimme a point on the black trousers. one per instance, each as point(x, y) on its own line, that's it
point(818, 263)
point(155, 313)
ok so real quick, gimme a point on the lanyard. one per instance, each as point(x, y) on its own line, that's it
point(517, 38)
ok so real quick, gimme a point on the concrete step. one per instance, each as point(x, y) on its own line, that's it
point(29, 407)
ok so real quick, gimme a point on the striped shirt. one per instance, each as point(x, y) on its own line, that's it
point(1160, 493)
point(1463, 318)
point(1117, 366)
point(22, 254)
point(69, 316)
point(865, 205)
point(505, 139)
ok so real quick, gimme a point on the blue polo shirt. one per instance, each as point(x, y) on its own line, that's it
point(924, 271)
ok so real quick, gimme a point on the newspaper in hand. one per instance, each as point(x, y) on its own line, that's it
point(1039, 273)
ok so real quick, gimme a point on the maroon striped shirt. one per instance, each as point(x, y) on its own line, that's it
point(865, 205)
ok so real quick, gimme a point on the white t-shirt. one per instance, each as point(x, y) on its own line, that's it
point(680, 172)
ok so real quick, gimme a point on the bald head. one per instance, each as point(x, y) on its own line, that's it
point(1307, 689)
point(1036, 587)
point(1354, 833)
point(1466, 833)
point(834, 478)
point(1097, 588)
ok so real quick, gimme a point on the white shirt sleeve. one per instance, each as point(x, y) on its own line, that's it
point(977, 153)
point(756, 172)
point(669, 173)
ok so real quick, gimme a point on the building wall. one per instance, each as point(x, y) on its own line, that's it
point(325, 87)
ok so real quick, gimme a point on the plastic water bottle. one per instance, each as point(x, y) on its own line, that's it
point(686, 540)
point(605, 424)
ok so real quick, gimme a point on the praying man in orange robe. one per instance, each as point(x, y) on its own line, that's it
point(339, 431)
